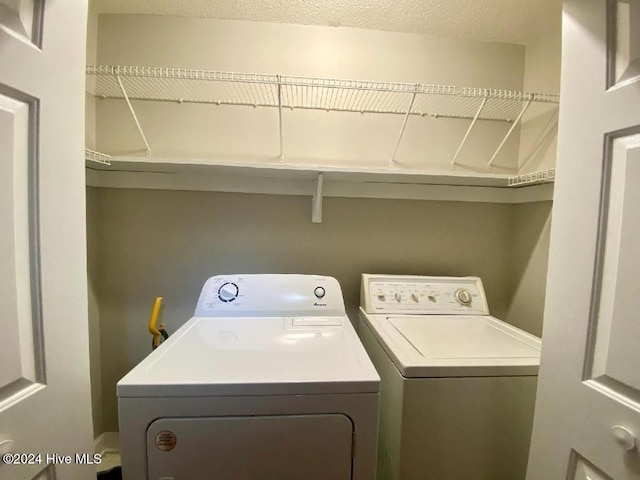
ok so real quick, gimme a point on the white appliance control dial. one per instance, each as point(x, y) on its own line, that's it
point(228, 292)
point(319, 292)
point(463, 296)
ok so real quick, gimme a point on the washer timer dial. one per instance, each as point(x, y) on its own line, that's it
point(463, 297)
point(228, 292)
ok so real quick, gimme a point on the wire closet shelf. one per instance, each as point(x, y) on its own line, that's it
point(266, 90)
point(96, 157)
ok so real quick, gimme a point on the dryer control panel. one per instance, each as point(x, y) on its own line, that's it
point(423, 295)
point(270, 295)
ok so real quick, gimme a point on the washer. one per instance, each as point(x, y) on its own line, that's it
point(458, 386)
point(268, 381)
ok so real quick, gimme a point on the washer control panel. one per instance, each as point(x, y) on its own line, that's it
point(423, 295)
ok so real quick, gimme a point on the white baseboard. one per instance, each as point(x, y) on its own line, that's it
point(107, 442)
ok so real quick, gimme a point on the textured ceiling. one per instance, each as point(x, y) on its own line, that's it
point(509, 21)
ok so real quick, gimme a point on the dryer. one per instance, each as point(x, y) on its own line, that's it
point(267, 381)
point(458, 385)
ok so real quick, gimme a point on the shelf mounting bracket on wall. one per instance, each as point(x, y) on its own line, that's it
point(316, 201)
point(280, 118)
point(404, 124)
point(513, 126)
point(466, 135)
point(135, 117)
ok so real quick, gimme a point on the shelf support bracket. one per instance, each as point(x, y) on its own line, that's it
point(392, 163)
point(316, 202)
point(466, 135)
point(513, 126)
point(135, 117)
point(280, 119)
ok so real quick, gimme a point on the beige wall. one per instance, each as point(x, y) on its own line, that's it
point(539, 132)
point(529, 255)
point(91, 58)
point(531, 223)
point(168, 242)
point(310, 137)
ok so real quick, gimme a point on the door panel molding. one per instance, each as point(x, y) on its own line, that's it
point(621, 148)
point(23, 19)
point(582, 469)
point(25, 363)
point(623, 43)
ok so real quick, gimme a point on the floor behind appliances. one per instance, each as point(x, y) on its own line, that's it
point(268, 381)
point(458, 386)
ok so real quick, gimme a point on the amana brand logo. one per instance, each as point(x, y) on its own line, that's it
point(317, 304)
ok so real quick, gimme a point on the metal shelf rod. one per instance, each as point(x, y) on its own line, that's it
point(466, 135)
point(303, 107)
point(133, 114)
point(513, 126)
point(280, 120)
point(404, 124)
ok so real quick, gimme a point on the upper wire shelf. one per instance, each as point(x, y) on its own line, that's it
point(266, 90)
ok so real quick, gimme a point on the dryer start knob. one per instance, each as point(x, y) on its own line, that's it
point(228, 292)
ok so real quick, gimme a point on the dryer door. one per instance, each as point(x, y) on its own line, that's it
point(310, 447)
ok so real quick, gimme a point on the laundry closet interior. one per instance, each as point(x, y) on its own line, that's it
point(257, 145)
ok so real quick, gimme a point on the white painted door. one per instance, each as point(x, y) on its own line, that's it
point(44, 359)
point(587, 421)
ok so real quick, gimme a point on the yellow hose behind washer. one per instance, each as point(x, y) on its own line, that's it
point(155, 313)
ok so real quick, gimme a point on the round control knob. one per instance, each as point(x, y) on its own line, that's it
point(623, 437)
point(228, 292)
point(319, 292)
point(463, 297)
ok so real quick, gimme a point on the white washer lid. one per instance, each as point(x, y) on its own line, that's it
point(255, 356)
point(455, 346)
